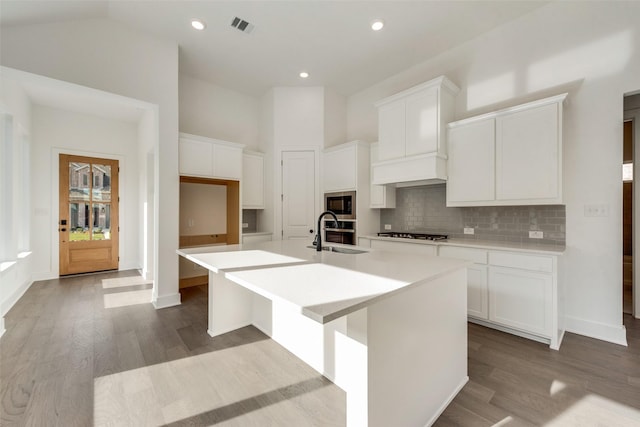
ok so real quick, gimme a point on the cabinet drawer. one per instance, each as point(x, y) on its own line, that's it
point(479, 256)
point(412, 248)
point(522, 261)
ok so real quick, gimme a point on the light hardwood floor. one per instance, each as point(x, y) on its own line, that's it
point(75, 354)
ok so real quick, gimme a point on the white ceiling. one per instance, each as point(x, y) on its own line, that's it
point(332, 40)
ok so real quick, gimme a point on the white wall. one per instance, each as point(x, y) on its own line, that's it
point(335, 118)
point(106, 55)
point(591, 50)
point(57, 131)
point(15, 280)
point(213, 111)
point(203, 209)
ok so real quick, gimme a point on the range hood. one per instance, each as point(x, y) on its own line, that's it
point(423, 169)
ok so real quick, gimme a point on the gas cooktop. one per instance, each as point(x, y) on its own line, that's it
point(417, 236)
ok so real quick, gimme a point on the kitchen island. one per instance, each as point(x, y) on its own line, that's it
point(388, 328)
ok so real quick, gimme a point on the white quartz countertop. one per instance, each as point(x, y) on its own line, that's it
point(482, 244)
point(324, 285)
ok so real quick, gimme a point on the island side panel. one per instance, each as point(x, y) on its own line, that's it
point(417, 352)
point(230, 305)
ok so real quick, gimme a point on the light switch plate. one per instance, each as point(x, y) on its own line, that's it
point(387, 226)
point(594, 210)
point(536, 235)
point(245, 225)
point(469, 230)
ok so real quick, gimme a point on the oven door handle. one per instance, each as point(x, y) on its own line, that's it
point(340, 230)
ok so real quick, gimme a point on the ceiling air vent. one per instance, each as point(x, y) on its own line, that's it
point(242, 25)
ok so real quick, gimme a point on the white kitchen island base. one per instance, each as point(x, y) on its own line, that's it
point(401, 357)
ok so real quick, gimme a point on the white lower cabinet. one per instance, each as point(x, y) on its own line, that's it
point(256, 238)
point(517, 292)
point(521, 299)
point(412, 248)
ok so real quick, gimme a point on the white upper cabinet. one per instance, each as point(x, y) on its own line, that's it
point(252, 180)
point(528, 154)
point(382, 196)
point(210, 158)
point(340, 168)
point(411, 131)
point(509, 157)
point(471, 164)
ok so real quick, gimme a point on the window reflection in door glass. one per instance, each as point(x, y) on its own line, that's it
point(101, 182)
point(101, 221)
point(79, 177)
point(78, 221)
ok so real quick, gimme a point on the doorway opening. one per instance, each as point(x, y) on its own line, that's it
point(88, 219)
point(209, 215)
point(631, 211)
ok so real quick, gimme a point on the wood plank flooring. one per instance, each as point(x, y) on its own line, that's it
point(67, 360)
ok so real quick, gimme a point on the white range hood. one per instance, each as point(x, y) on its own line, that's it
point(424, 169)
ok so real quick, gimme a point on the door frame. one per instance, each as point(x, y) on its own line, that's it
point(634, 117)
point(55, 202)
point(278, 217)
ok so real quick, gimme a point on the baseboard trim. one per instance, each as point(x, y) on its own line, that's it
point(449, 400)
point(165, 301)
point(17, 294)
point(601, 331)
point(45, 275)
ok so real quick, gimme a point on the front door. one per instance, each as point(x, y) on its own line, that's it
point(88, 221)
point(298, 194)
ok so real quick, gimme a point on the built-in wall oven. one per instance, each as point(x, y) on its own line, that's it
point(343, 204)
point(344, 232)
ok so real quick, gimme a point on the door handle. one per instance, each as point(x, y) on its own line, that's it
point(311, 231)
point(62, 229)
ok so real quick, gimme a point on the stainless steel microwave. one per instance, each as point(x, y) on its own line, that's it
point(342, 204)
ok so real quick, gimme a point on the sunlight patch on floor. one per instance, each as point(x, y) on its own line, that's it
point(216, 382)
point(123, 299)
point(121, 282)
point(596, 411)
point(556, 387)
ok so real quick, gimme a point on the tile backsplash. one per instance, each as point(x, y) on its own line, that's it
point(423, 209)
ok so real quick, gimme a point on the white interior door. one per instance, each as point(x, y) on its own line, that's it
point(298, 194)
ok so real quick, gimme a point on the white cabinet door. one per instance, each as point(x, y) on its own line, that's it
point(527, 154)
point(195, 157)
point(521, 299)
point(227, 162)
point(252, 181)
point(477, 291)
point(412, 248)
point(471, 163)
point(340, 168)
point(391, 130)
point(421, 112)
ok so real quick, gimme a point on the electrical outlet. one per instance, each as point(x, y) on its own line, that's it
point(245, 225)
point(469, 230)
point(387, 226)
point(536, 234)
point(594, 210)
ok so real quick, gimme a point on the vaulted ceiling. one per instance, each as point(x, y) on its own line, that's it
point(331, 40)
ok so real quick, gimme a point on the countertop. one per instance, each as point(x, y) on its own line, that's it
point(258, 233)
point(324, 285)
point(482, 244)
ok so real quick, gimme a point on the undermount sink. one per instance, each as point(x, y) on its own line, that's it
point(340, 250)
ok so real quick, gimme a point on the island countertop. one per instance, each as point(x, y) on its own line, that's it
point(323, 285)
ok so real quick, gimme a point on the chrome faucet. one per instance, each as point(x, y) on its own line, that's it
point(319, 239)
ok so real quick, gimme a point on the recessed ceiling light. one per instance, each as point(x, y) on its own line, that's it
point(198, 24)
point(304, 74)
point(377, 25)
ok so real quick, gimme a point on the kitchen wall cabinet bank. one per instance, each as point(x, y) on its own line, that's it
point(411, 131)
point(252, 180)
point(515, 292)
point(509, 157)
point(210, 158)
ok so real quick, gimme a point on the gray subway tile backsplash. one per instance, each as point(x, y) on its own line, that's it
point(423, 209)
